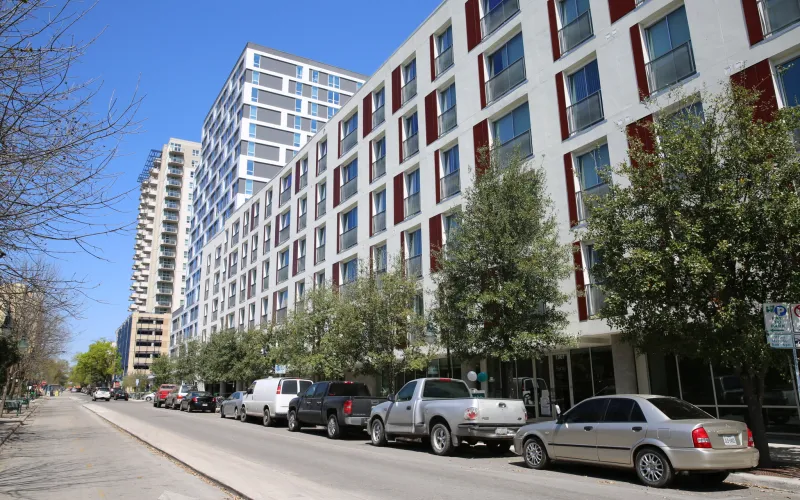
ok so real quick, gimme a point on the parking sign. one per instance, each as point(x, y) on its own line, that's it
point(777, 318)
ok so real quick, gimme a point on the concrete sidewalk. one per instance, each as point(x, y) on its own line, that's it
point(10, 422)
point(788, 478)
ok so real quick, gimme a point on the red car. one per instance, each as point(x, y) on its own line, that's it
point(161, 394)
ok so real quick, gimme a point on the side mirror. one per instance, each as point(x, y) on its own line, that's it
point(390, 397)
point(558, 414)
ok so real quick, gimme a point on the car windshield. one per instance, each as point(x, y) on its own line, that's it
point(348, 389)
point(445, 389)
point(678, 409)
point(201, 394)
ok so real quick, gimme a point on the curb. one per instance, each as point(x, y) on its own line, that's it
point(778, 483)
point(14, 430)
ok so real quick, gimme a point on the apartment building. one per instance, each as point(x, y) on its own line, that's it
point(562, 81)
point(270, 105)
point(162, 233)
point(141, 338)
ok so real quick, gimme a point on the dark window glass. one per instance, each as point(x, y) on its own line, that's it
point(289, 387)
point(678, 409)
point(407, 391)
point(581, 374)
point(200, 394)
point(696, 381)
point(636, 414)
point(445, 389)
point(603, 371)
point(310, 391)
point(344, 389)
point(322, 388)
point(235, 395)
point(588, 411)
point(623, 410)
point(304, 385)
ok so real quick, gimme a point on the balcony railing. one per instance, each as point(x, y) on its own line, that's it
point(283, 235)
point(447, 120)
point(495, 18)
point(175, 171)
point(241, 295)
point(169, 241)
point(595, 299)
point(251, 290)
point(450, 184)
point(408, 91)
point(166, 265)
point(320, 253)
point(577, 31)
point(269, 209)
point(167, 253)
point(232, 301)
point(444, 60)
point(414, 266)
point(303, 182)
point(172, 217)
point(587, 198)
point(411, 146)
point(235, 238)
point(285, 196)
point(501, 83)
point(301, 222)
point(378, 116)
point(671, 68)
point(349, 188)
point(520, 144)
point(379, 222)
point(265, 282)
point(778, 14)
point(173, 194)
point(165, 278)
point(174, 182)
point(585, 112)
point(349, 141)
point(411, 205)
point(283, 274)
point(322, 164)
point(321, 207)
point(280, 316)
point(232, 269)
point(216, 288)
point(301, 264)
point(348, 239)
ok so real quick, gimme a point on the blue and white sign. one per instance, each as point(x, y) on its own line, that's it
point(280, 369)
point(777, 318)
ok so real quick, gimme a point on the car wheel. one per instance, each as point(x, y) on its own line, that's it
point(148, 399)
point(653, 468)
point(334, 432)
point(155, 405)
point(267, 420)
point(221, 412)
point(188, 409)
point(292, 422)
point(441, 444)
point(236, 413)
point(535, 454)
point(713, 478)
point(377, 435)
point(243, 415)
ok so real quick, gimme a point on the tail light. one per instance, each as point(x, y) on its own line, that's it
point(700, 438)
point(194, 400)
point(278, 390)
point(471, 413)
point(180, 397)
point(750, 442)
point(348, 408)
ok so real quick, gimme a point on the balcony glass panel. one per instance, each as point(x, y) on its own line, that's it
point(501, 83)
point(349, 141)
point(444, 61)
point(587, 198)
point(378, 116)
point(585, 113)
point(280, 315)
point(320, 253)
point(447, 121)
point(322, 164)
point(411, 146)
point(321, 208)
point(301, 264)
point(283, 274)
point(409, 90)
point(286, 195)
point(778, 14)
point(283, 235)
point(577, 31)
point(671, 67)
point(349, 188)
point(379, 168)
point(595, 298)
point(414, 266)
point(412, 205)
point(303, 181)
point(301, 222)
point(498, 15)
point(379, 222)
point(450, 184)
point(521, 144)
point(348, 239)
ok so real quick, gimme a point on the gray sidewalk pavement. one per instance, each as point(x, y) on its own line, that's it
point(786, 475)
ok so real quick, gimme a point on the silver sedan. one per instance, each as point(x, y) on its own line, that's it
point(655, 435)
point(230, 407)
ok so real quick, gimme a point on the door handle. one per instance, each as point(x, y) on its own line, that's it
point(588, 427)
point(408, 407)
point(636, 429)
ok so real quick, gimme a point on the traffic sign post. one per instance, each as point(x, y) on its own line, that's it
point(782, 324)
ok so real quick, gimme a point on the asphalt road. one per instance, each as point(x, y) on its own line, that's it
point(351, 468)
point(64, 451)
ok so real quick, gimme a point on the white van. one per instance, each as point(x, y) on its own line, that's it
point(268, 398)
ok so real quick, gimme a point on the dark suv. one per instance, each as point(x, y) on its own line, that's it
point(118, 393)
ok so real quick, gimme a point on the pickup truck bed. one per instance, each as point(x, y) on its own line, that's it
point(339, 406)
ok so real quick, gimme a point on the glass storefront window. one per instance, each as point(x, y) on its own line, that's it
point(581, 375)
point(663, 371)
point(603, 371)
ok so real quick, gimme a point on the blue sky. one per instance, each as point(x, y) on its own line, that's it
point(180, 53)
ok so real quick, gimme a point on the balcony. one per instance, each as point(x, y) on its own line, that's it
point(321, 207)
point(320, 253)
point(411, 205)
point(671, 67)
point(232, 301)
point(164, 302)
point(411, 146)
point(171, 217)
point(495, 18)
point(285, 196)
point(414, 266)
point(379, 222)
point(167, 253)
point(322, 164)
point(507, 79)
point(301, 264)
point(171, 205)
point(267, 245)
point(265, 282)
point(450, 184)
point(165, 278)
point(169, 241)
point(173, 194)
point(443, 61)
point(164, 290)
point(348, 239)
point(408, 91)
point(378, 116)
point(283, 273)
point(595, 299)
point(235, 238)
point(283, 235)
point(447, 120)
point(280, 316)
point(576, 32)
point(349, 141)
point(587, 198)
point(520, 144)
point(174, 182)
point(585, 113)
point(175, 171)
point(778, 14)
point(379, 168)
point(301, 222)
point(166, 265)
point(349, 188)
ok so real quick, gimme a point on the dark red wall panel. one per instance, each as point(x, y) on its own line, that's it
point(433, 59)
point(337, 181)
point(431, 118)
point(551, 15)
point(562, 106)
point(572, 204)
point(435, 232)
point(473, 16)
point(482, 80)
point(618, 8)
point(583, 311)
point(638, 62)
point(399, 214)
point(752, 20)
point(759, 77)
point(366, 118)
point(480, 140)
point(396, 89)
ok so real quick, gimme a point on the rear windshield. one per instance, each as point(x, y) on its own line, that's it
point(304, 385)
point(201, 394)
point(289, 387)
point(166, 387)
point(678, 409)
point(445, 389)
point(343, 389)
point(102, 388)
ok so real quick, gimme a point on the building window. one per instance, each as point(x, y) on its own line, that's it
point(444, 45)
point(349, 229)
point(299, 72)
point(253, 130)
point(253, 113)
point(315, 92)
point(256, 60)
point(315, 76)
point(255, 77)
point(251, 167)
point(789, 75)
point(251, 149)
point(333, 81)
point(414, 260)
point(412, 202)
point(512, 132)
point(349, 180)
point(314, 109)
point(410, 71)
point(409, 89)
point(586, 99)
point(331, 112)
point(380, 257)
point(321, 278)
point(298, 105)
point(296, 140)
point(248, 187)
point(447, 106)
point(333, 98)
point(298, 88)
point(576, 23)
point(254, 95)
point(379, 219)
point(450, 181)
point(297, 122)
point(350, 271)
point(669, 47)
point(314, 126)
point(590, 177)
point(506, 67)
point(411, 142)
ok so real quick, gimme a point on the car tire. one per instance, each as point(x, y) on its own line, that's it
point(535, 454)
point(148, 399)
point(441, 441)
point(291, 421)
point(333, 429)
point(188, 409)
point(653, 468)
point(267, 419)
point(377, 433)
point(243, 415)
point(713, 478)
point(221, 412)
point(155, 405)
point(236, 413)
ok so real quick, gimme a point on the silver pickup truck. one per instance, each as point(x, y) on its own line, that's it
point(445, 411)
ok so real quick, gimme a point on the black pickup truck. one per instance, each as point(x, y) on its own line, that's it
point(339, 406)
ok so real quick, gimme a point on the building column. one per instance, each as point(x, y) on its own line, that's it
point(624, 366)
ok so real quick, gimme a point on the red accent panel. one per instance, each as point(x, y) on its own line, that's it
point(472, 10)
point(752, 19)
point(403, 248)
point(335, 277)
point(339, 140)
point(274, 304)
point(337, 180)
point(366, 117)
point(583, 311)
point(759, 77)
point(572, 203)
point(398, 199)
point(315, 247)
point(435, 231)
point(297, 177)
point(562, 106)
point(641, 131)
point(277, 227)
point(618, 8)
point(431, 118)
point(437, 175)
point(480, 139)
point(482, 80)
point(371, 213)
point(638, 62)
point(249, 283)
point(294, 258)
point(433, 57)
point(551, 15)
point(338, 232)
point(396, 89)
point(400, 137)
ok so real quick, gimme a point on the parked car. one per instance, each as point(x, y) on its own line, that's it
point(658, 436)
point(269, 398)
point(160, 396)
point(149, 396)
point(230, 406)
point(445, 411)
point(339, 406)
point(118, 393)
point(101, 393)
point(198, 401)
point(176, 395)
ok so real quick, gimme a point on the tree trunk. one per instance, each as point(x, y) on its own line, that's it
point(6, 388)
point(753, 386)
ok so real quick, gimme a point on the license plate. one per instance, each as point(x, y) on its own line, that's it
point(205, 404)
point(730, 440)
point(501, 431)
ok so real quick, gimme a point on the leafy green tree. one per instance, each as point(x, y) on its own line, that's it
point(499, 278)
point(187, 362)
point(218, 356)
point(259, 350)
point(163, 370)
point(97, 365)
point(706, 230)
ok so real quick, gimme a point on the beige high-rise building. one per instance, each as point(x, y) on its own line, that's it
point(162, 236)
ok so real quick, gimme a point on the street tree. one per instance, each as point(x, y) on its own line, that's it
point(218, 356)
point(163, 370)
point(97, 364)
point(258, 350)
point(704, 228)
point(186, 363)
